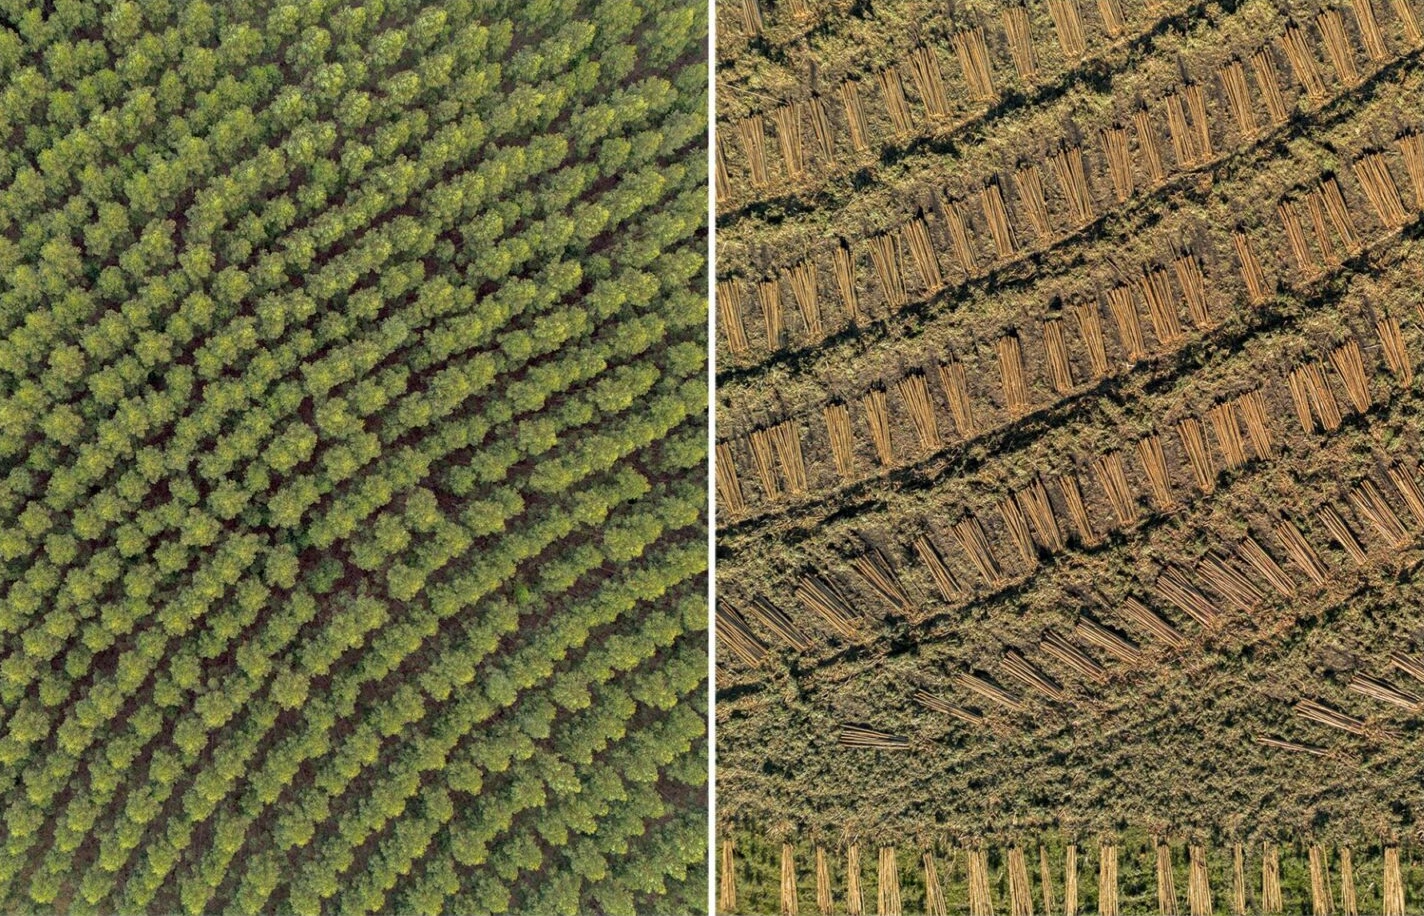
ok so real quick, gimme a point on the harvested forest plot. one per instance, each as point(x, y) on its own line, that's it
point(1111, 435)
point(352, 457)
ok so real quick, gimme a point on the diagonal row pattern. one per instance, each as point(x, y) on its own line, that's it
point(351, 417)
point(1102, 397)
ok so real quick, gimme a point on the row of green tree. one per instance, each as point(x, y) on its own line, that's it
point(338, 355)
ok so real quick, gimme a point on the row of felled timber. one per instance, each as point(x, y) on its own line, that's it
point(1184, 108)
point(1333, 887)
point(912, 394)
point(1219, 583)
point(1317, 222)
point(1034, 529)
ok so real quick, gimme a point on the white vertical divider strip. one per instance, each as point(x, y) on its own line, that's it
point(711, 459)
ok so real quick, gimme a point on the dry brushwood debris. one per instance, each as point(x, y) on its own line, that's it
point(1100, 321)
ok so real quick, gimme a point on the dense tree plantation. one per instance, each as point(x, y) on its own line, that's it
point(352, 456)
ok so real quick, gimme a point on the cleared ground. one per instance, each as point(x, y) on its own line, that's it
point(1069, 439)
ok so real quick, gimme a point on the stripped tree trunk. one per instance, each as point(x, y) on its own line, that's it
point(1320, 902)
point(1020, 892)
point(1349, 904)
point(823, 882)
point(1270, 879)
point(1393, 883)
point(1199, 884)
point(1107, 880)
point(855, 903)
point(1238, 880)
point(790, 905)
point(935, 903)
point(1166, 881)
point(1045, 878)
point(980, 901)
point(888, 885)
point(729, 880)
